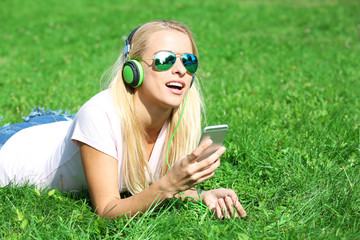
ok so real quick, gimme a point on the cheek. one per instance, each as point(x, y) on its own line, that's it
point(148, 73)
point(149, 69)
point(151, 75)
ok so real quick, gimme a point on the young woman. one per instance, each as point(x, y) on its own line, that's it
point(140, 135)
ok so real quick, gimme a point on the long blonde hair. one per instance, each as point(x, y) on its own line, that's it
point(135, 165)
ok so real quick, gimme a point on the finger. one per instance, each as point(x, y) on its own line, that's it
point(229, 203)
point(240, 209)
point(234, 199)
point(212, 207)
point(199, 150)
point(212, 158)
point(218, 211)
point(206, 174)
point(223, 208)
point(210, 168)
point(233, 196)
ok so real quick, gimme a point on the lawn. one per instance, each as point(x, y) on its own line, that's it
point(284, 75)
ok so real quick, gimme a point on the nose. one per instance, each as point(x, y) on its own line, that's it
point(179, 67)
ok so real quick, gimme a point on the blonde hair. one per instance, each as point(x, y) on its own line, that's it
point(135, 165)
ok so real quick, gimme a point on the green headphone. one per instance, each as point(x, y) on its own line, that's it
point(132, 72)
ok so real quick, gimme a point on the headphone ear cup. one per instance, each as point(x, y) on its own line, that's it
point(133, 73)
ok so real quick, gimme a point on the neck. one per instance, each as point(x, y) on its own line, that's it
point(152, 117)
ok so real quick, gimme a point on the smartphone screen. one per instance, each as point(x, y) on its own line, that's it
point(217, 134)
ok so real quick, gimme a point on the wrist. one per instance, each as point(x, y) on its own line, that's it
point(200, 194)
point(166, 187)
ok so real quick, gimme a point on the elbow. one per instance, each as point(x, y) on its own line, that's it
point(105, 212)
point(102, 210)
point(99, 211)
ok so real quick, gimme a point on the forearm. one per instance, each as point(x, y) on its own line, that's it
point(138, 203)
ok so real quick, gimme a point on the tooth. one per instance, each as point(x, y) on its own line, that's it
point(175, 84)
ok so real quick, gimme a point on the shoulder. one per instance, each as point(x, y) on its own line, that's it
point(98, 125)
point(99, 106)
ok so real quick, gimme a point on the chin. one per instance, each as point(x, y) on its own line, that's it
point(172, 104)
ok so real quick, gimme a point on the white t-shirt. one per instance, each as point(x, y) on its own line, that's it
point(47, 155)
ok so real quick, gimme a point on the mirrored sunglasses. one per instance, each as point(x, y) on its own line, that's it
point(165, 60)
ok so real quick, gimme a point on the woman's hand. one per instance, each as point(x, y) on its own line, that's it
point(188, 172)
point(224, 202)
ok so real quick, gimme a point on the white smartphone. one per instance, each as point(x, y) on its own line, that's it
point(217, 134)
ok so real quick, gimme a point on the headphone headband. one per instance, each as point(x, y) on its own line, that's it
point(128, 45)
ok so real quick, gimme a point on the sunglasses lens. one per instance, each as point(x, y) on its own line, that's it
point(190, 62)
point(164, 60)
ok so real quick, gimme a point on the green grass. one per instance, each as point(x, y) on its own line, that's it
point(283, 74)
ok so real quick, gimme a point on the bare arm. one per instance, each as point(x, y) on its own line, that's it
point(101, 173)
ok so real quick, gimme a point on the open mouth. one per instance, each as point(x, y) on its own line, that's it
point(175, 85)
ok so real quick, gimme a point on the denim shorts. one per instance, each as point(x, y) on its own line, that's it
point(37, 116)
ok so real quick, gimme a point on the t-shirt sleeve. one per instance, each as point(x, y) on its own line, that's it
point(92, 126)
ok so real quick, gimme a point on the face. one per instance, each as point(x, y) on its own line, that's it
point(165, 88)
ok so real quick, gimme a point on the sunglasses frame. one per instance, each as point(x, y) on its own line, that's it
point(176, 55)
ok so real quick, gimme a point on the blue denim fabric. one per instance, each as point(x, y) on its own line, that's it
point(37, 116)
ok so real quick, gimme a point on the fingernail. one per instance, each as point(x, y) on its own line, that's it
point(222, 150)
